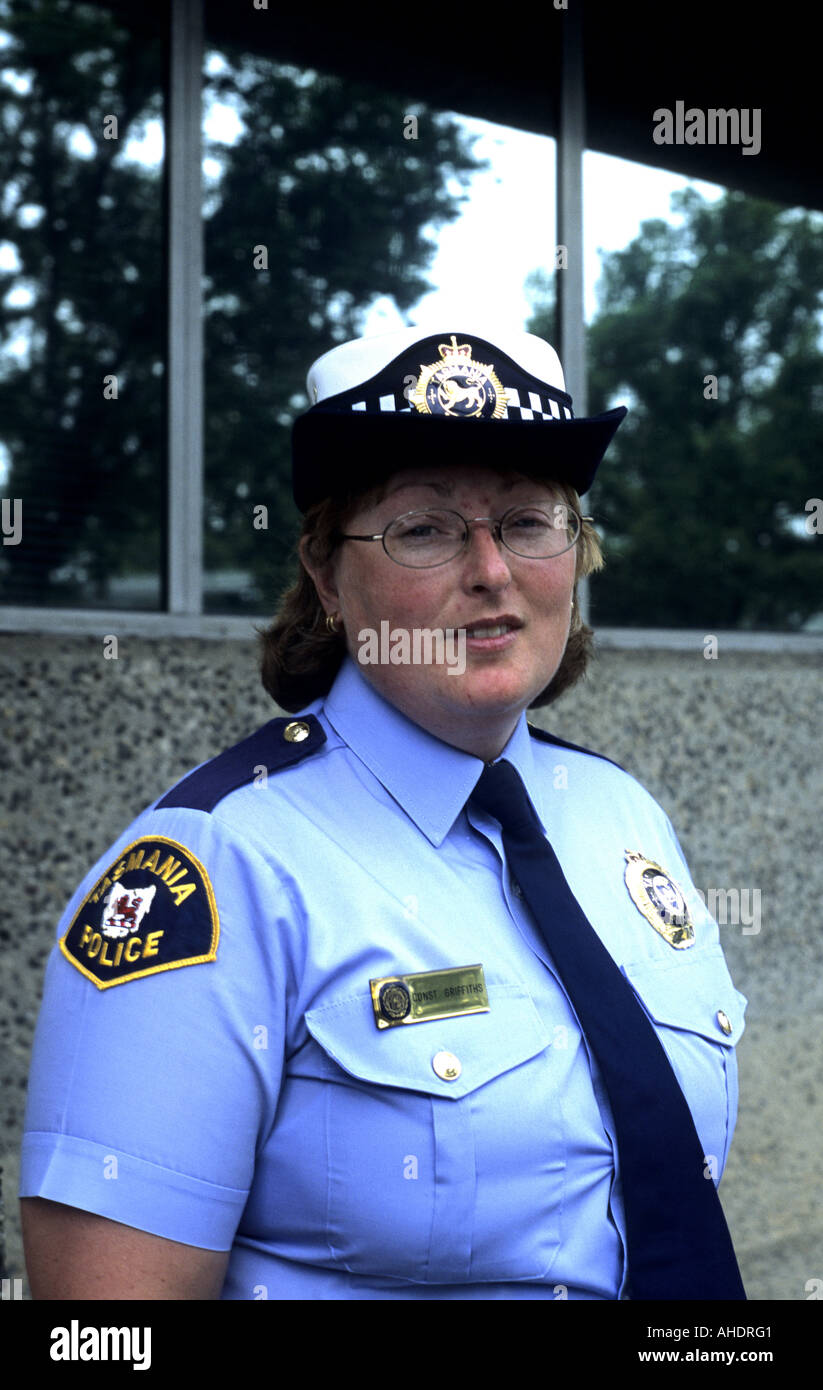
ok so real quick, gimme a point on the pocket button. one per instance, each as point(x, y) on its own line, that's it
point(446, 1066)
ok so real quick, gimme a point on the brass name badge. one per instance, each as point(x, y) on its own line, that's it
point(430, 994)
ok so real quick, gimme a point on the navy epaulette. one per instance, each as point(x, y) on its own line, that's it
point(278, 744)
point(546, 737)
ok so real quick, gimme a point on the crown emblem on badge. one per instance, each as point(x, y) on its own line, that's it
point(455, 349)
point(459, 386)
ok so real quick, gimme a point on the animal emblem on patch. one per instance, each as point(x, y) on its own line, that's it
point(459, 386)
point(125, 910)
point(660, 899)
point(153, 909)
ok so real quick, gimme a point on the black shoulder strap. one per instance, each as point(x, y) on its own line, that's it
point(546, 737)
point(279, 744)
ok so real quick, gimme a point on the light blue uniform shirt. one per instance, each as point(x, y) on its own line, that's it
point(249, 1102)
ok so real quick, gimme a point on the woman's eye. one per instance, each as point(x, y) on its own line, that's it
point(421, 531)
point(423, 528)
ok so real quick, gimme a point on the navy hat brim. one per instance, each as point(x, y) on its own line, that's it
point(335, 454)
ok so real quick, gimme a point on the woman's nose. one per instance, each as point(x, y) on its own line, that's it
point(485, 550)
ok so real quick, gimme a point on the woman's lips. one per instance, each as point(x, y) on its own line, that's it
point(492, 636)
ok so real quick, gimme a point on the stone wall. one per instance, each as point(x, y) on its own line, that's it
point(730, 747)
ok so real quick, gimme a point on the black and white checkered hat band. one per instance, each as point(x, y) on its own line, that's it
point(521, 405)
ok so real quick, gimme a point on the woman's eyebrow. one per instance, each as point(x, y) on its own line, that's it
point(446, 489)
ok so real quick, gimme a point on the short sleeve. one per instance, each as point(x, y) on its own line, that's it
point(159, 1048)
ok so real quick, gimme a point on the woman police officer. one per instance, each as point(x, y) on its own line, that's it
point(398, 998)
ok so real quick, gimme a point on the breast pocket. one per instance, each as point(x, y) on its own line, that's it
point(699, 1017)
point(437, 1170)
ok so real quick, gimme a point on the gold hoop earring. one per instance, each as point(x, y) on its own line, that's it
point(331, 622)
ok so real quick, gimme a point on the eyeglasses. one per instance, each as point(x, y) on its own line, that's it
point(421, 540)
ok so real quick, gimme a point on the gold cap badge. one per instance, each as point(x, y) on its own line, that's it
point(660, 899)
point(459, 386)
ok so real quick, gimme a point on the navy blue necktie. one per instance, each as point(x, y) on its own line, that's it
point(678, 1243)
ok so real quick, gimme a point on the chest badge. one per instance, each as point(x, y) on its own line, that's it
point(660, 900)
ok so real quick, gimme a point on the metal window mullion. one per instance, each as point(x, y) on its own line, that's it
point(185, 331)
point(570, 146)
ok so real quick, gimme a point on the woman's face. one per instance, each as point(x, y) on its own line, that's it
point(486, 585)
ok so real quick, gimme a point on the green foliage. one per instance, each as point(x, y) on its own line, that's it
point(321, 176)
point(701, 500)
point(85, 232)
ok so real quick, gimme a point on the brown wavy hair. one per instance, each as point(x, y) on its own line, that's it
point(300, 658)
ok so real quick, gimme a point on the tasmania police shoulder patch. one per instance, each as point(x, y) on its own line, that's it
point(152, 910)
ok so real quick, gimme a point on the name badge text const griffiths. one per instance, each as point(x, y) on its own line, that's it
point(429, 994)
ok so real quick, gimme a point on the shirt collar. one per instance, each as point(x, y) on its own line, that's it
point(430, 779)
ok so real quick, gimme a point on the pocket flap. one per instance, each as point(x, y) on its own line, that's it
point(694, 992)
point(485, 1044)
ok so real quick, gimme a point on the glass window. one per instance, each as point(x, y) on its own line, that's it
point(323, 202)
point(707, 325)
point(82, 309)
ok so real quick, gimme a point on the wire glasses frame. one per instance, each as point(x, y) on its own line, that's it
point(429, 537)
